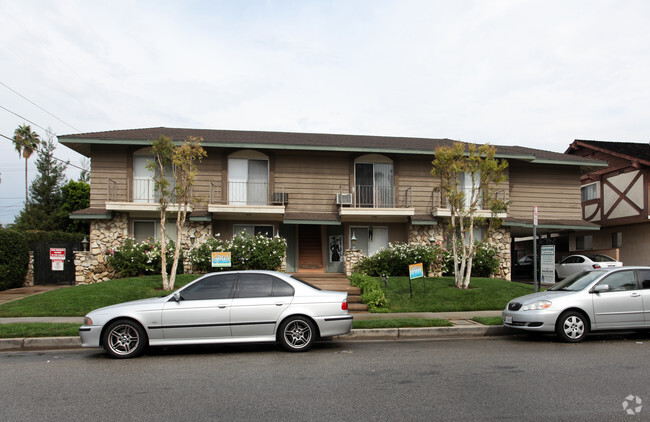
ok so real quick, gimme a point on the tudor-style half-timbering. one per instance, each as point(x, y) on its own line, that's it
point(616, 198)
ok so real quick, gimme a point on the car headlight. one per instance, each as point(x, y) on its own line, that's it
point(88, 321)
point(536, 306)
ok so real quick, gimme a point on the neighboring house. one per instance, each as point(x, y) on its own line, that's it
point(616, 198)
point(332, 197)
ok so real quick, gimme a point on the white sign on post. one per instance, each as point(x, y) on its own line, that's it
point(547, 264)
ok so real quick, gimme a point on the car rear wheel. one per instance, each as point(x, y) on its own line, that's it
point(572, 327)
point(297, 334)
point(124, 339)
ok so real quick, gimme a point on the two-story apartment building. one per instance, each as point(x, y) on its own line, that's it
point(326, 194)
point(616, 198)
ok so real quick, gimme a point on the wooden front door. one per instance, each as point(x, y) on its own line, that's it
point(310, 249)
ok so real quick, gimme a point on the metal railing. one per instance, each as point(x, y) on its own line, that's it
point(248, 193)
point(133, 190)
point(367, 196)
point(439, 199)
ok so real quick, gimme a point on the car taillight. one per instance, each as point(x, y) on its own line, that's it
point(344, 305)
point(596, 266)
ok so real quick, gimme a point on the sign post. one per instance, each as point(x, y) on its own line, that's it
point(415, 271)
point(535, 247)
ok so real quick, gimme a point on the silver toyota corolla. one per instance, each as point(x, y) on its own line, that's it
point(604, 299)
point(226, 307)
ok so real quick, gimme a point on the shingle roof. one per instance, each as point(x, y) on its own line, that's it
point(293, 140)
point(632, 150)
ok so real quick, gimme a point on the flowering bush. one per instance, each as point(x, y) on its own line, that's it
point(395, 259)
point(484, 264)
point(134, 259)
point(246, 252)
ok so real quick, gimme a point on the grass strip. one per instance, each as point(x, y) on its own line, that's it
point(489, 320)
point(401, 323)
point(38, 329)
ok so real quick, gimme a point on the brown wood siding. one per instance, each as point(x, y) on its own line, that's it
point(107, 163)
point(415, 172)
point(312, 180)
point(554, 189)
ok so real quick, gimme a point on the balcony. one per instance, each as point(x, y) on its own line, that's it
point(137, 194)
point(387, 203)
point(248, 198)
point(440, 205)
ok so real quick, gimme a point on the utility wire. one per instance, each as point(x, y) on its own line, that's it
point(35, 124)
point(33, 103)
point(58, 159)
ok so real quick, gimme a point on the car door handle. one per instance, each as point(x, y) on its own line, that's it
point(222, 306)
point(635, 294)
point(279, 304)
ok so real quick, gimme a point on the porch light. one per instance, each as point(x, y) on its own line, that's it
point(354, 240)
point(84, 244)
point(192, 239)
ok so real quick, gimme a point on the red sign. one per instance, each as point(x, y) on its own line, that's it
point(57, 254)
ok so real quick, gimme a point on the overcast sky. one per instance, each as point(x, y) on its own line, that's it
point(531, 73)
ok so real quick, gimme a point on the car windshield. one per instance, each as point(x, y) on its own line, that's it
point(576, 281)
point(601, 258)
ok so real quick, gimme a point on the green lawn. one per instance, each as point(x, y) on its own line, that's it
point(79, 300)
point(401, 323)
point(438, 294)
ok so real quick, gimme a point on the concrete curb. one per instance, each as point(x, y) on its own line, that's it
point(53, 343)
point(423, 333)
point(39, 343)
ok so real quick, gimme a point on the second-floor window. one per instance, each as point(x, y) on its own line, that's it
point(374, 184)
point(248, 181)
point(589, 192)
point(144, 185)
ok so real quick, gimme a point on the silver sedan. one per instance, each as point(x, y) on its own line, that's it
point(603, 299)
point(226, 307)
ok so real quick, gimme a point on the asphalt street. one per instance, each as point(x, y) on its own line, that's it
point(480, 379)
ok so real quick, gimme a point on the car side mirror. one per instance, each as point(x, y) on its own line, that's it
point(177, 296)
point(601, 288)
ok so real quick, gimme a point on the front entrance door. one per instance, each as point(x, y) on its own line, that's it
point(334, 249)
point(310, 249)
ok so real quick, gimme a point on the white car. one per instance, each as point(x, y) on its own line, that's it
point(576, 263)
point(601, 299)
point(226, 307)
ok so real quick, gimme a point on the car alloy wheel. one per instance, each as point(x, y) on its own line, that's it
point(297, 334)
point(124, 339)
point(572, 327)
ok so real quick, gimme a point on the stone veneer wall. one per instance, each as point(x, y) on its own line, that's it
point(500, 238)
point(105, 235)
point(29, 277)
point(425, 235)
point(351, 258)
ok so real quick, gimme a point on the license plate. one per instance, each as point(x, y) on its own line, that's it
point(507, 319)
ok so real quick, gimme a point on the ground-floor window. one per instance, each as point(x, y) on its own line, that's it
point(143, 230)
point(254, 229)
point(369, 239)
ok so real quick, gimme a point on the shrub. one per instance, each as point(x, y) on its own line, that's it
point(395, 259)
point(53, 236)
point(371, 292)
point(246, 253)
point(144, 258)
point(14, 259)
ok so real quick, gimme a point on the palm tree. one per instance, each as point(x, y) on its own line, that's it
point(26, 142)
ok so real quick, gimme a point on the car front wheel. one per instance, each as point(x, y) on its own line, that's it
point(124, 339)
point(297, 334)
point(572, 327)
